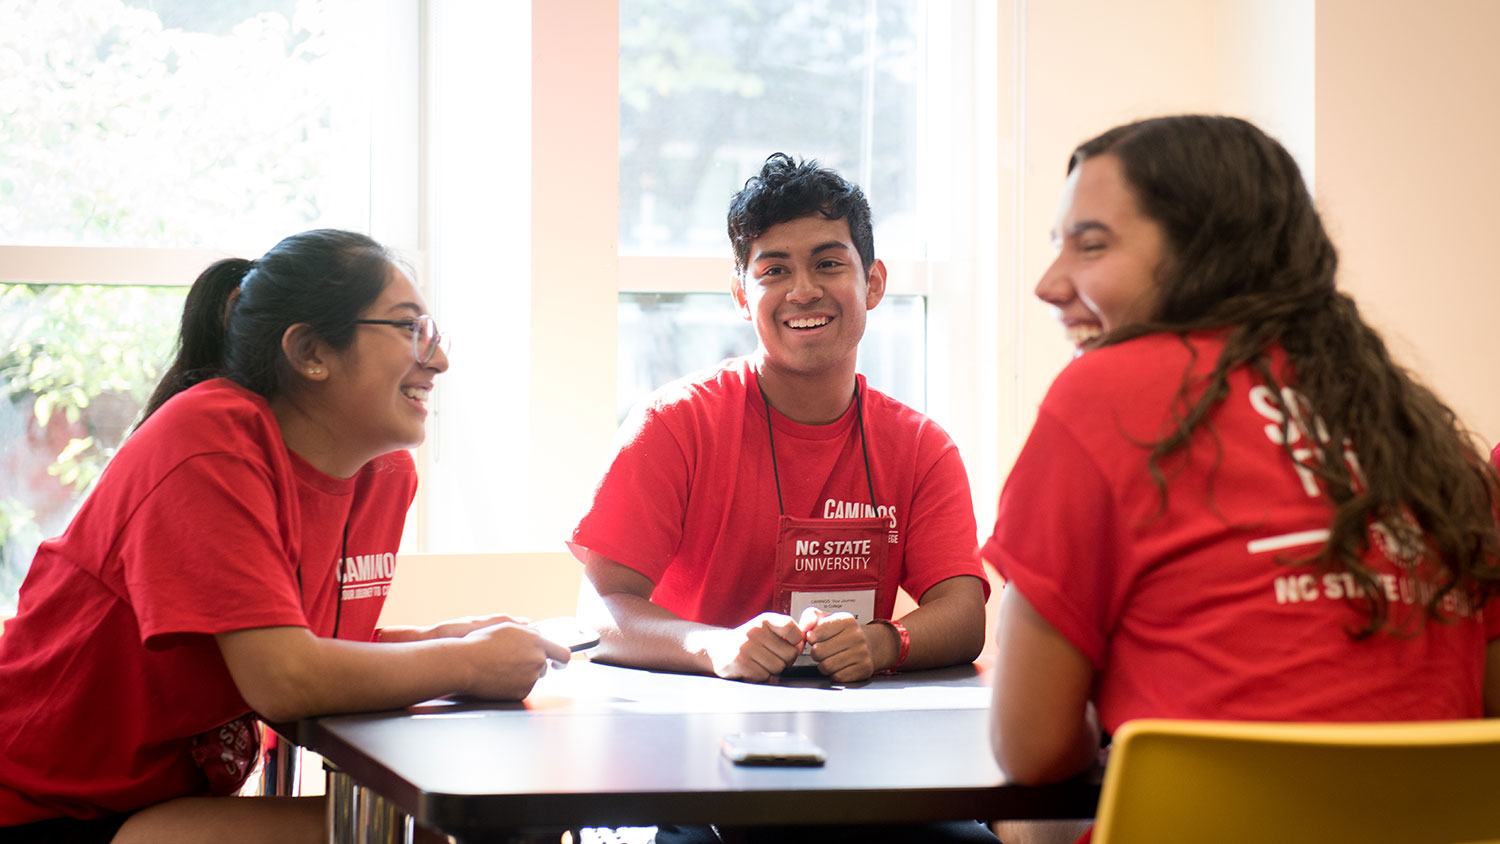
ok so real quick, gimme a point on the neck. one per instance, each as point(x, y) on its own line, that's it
point(809, 399)
point(313, 440)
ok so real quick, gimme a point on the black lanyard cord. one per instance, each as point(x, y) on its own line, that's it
point(338, 576)
point(776, 473)
point(864, 446)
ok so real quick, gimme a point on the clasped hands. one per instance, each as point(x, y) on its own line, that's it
point(769, 643)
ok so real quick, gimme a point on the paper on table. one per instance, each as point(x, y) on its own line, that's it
point(633, 690)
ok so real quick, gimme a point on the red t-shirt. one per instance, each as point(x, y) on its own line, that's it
point(203, 523)
point(1194, 611)
point(689, 500)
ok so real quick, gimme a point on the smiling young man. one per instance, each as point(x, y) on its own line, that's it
point(763, 514)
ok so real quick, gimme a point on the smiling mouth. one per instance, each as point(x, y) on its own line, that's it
point(804, 323)
point(417, 394)
point(1081, 334)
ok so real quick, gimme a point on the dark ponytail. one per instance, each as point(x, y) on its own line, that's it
point(203, 338)
point(237, 311)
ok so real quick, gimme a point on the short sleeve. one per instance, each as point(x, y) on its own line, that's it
point(940, 529)
point(1057, 537)
point(206, 552)
point(637, 513)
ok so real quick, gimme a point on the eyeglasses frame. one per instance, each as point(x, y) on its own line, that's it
point(411, 324)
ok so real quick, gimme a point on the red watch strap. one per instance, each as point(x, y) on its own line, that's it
point(905, 643)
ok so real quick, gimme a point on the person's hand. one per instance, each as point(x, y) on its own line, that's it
point(507, 659)
point(757, 650)
point(840, 645)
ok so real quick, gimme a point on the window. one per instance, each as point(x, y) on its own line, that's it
point(620, 218)
point(601, 270)
point(503, 148)
point(140, 141)
point(79, 362)
point(174, 123)
point(707, 92)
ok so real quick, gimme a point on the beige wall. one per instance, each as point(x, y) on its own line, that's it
point(429, 588)
point(1086, 65)
point(1408, 109)
point(1385, 104)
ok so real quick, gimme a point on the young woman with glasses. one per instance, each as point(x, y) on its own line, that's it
point(232, 562)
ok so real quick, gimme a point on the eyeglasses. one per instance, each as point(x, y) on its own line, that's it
point(425, 337)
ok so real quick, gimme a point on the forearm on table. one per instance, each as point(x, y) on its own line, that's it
point(286, 673)
point(634, 631)
point(947, 628)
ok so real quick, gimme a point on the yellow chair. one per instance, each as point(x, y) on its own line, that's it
point(1225, 782)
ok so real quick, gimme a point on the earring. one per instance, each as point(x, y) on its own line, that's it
point(315, 370)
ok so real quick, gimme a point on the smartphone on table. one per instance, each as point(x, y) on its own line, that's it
point(771, 748)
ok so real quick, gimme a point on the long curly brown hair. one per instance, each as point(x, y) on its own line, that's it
point(1248, 254)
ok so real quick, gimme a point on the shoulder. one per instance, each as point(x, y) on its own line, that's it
point(397, 466)
point(700, 399)
point(214, 416)
point(393, 474)
point(216, 396)
point(909, 437)
point(885, 415)
point(730, 378)
point(1144, 371)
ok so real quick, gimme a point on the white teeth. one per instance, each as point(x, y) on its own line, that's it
point(808, 322)
point(1080, 334)
point(418, 394)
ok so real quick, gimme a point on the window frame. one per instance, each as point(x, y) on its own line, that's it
point(576, 275)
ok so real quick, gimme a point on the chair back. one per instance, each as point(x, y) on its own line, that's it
point(1430, 782)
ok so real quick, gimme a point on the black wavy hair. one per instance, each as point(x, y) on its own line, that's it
point(1247, 253)
point(788, 189)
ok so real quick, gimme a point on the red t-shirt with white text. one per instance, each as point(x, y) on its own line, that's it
point(203, 523)
point(1195, 610)
point(690, 502)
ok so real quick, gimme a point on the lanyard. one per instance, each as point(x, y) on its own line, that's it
point(338, 574)
point(859, 409)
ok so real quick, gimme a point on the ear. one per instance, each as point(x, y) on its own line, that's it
point(875, 285)
point(305, 351)
point(737, 290)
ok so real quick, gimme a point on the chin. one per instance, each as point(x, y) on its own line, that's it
point(406, 441)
